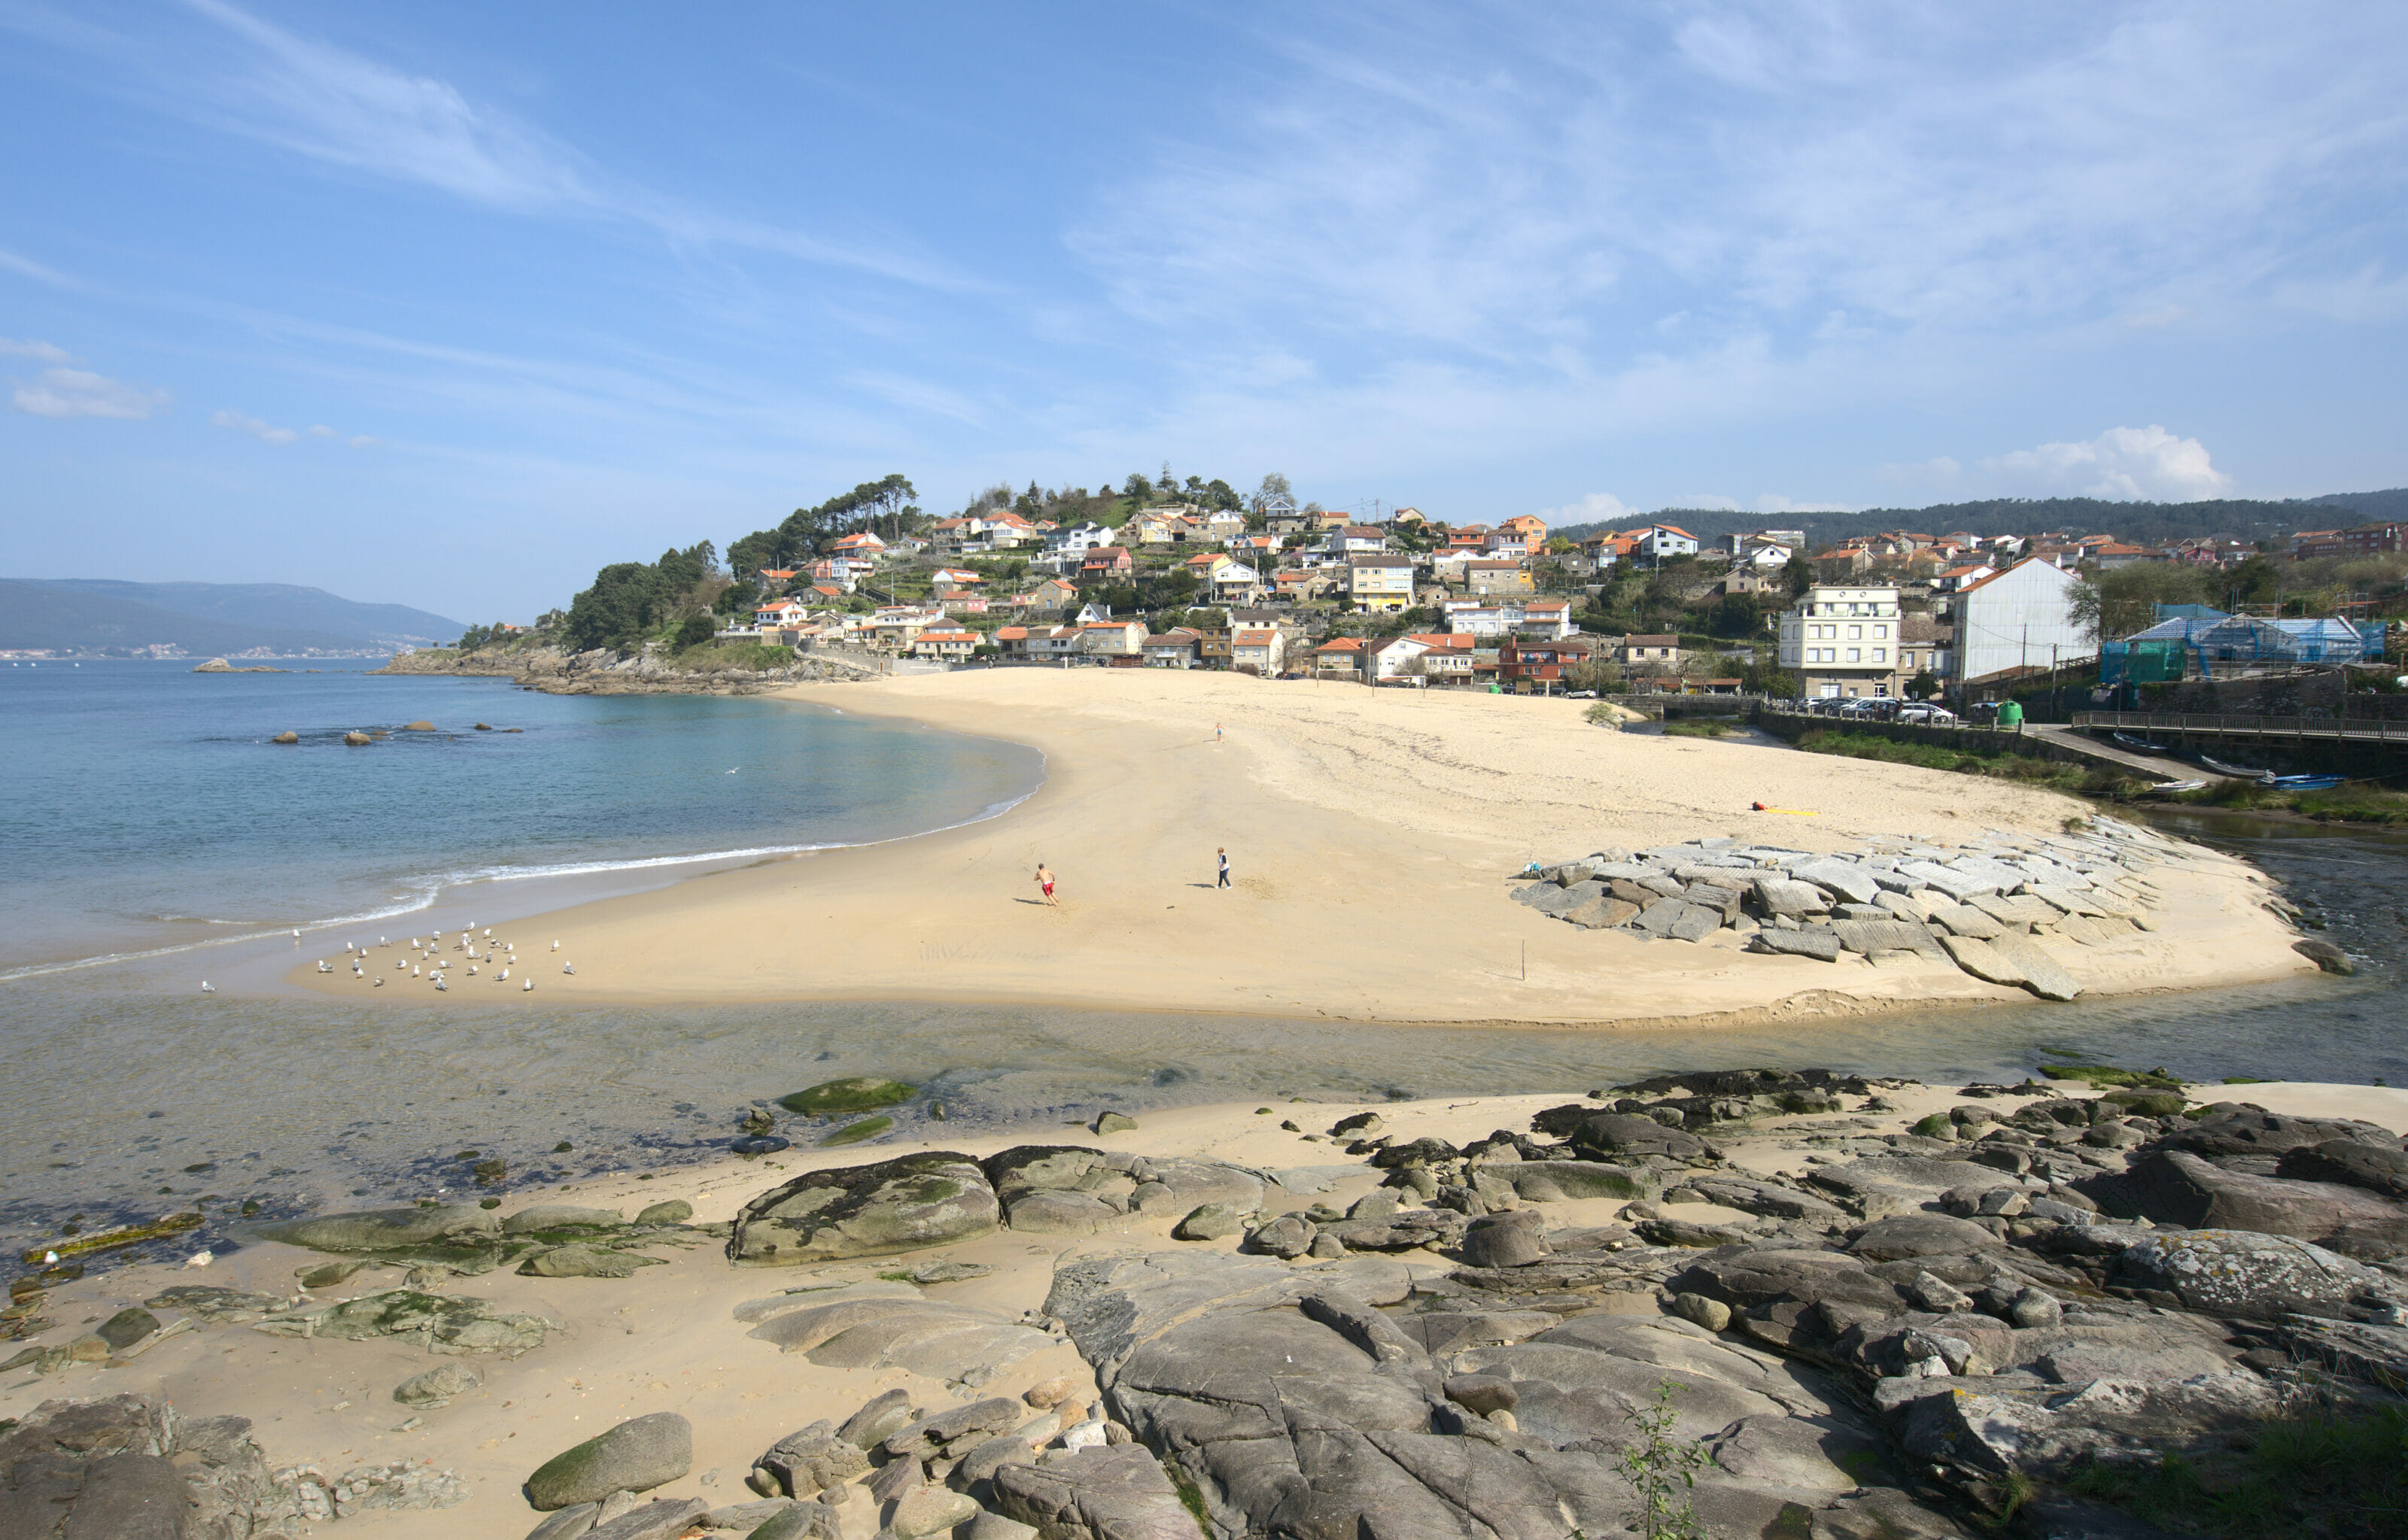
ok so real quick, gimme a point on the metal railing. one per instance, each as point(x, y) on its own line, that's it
point(2236, 726)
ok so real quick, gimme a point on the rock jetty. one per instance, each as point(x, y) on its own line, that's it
point(1986, 906)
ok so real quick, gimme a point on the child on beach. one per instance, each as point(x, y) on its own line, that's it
point(1045, 883)
point(1224, 852)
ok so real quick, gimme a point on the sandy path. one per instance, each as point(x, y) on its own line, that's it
point(1370, 835)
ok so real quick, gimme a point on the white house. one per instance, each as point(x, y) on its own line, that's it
point(2022, 617)
point(1842, 642)
point(1662, 540)
point(1077, 539)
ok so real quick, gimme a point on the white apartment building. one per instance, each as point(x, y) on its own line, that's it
point(1842, 642)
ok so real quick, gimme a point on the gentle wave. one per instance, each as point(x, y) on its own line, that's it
point(428, 891)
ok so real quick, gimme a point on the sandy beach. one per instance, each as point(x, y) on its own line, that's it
point(671, 1339)
point(1372, 836)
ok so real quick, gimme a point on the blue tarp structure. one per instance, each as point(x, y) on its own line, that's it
point(2216, 645)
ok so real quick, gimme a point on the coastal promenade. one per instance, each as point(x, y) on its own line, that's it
point(1373, 835)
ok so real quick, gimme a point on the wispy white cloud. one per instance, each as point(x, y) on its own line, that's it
point(47, 353)
point(330, 103)
point(1598, 507)
point(267, 433)
point(80, 393)
point(1593, 202)
point(2365, 296)
point(2123, 462)
point(26, 267)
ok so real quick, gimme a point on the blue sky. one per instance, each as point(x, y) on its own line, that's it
point(448, 304)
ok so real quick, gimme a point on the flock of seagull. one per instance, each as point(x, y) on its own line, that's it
point(431, 966)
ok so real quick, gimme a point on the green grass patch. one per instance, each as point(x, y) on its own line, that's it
point(1696, 729)
point(2048, 773)
point(2337, 1477)
point(2343, 804)
point(732, 658)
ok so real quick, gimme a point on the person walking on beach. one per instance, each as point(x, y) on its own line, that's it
point(1045, 884)
point(1224, 852)
point(1216, 732)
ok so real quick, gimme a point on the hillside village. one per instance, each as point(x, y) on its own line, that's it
point(1167, 576)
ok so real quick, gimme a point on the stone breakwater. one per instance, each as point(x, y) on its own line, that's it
point(605, 672)
point(1989, 907)
point(1917, 1332)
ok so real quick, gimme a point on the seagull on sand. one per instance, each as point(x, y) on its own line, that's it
point(207, 988)
point(568, 967)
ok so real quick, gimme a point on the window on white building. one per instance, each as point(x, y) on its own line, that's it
point(1852, 654)
point(1856, 632)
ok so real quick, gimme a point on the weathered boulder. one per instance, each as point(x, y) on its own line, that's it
point(668, 1211)
point(1512, 1240)
point(442, 1323)
point(1211, 1222)
point(954, 1429)
point(913, 1200)
point(386, 1229)
point(1555, 1181)
point(1819, 942)
point(878, 1417)
point(2176, 1187)
point(1781, 896)
point(2242, 1127)
point(1901, 1237)
point(662, 1519)
point(855, 1094)
point(925, 1511)
point(2378, 1168)
point(438, 1386)
point(811, 1460)
point(1115, 1492)
point(1884, 935)
point(1054, 1211)
point(638, 1455)
point(1288, 1236)
point(1620, 1134)
point(2236, 1273)
point(562, 1217)
point(957, 1342)
point(585, 1262)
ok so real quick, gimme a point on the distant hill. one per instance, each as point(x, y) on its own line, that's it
point(2137, 524)
point(101, 616)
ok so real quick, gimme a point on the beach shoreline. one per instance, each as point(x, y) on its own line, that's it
point(1373, 834)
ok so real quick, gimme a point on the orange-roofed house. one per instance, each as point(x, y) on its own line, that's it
point(1257, 650)
point(1340, 655)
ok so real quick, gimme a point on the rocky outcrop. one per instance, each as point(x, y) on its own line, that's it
point(605, 672)
point(636, 1456)
point(2008, 910)
point(862, 1211)
point(128, 1467)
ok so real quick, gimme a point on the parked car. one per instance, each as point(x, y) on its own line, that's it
point(1581, 695)
point(1937, 716)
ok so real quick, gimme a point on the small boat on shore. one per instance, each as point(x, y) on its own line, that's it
point(2139, 746)
point(2303, 783)
point(2169, 788)
point(2234, 771)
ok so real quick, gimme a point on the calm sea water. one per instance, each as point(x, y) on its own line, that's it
point(127, 1094)
point(145, 808)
